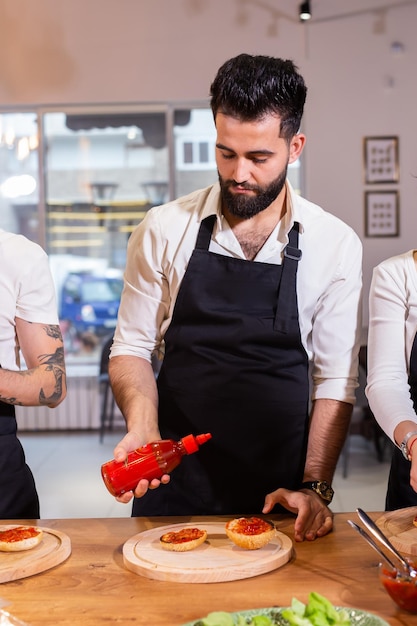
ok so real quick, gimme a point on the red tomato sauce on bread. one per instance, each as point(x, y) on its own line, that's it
point(17, 534)
point(251, 526)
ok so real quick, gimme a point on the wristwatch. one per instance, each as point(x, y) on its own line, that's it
point(403, 445)
point(321, 487)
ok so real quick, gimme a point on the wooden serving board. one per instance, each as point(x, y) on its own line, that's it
point(218, 559)
point(54, 548)
point(399, 528)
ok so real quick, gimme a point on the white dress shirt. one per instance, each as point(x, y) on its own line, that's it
point(26, 291)
point(329, 281)
point(392, 328)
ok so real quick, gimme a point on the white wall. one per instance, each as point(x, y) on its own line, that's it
point(115, 51)
point(359, 87)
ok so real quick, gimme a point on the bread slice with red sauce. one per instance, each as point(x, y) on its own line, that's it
point(20, 538)
point(250, 533)
point(183, 540)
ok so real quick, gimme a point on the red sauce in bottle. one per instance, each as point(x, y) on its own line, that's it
point(150, 461)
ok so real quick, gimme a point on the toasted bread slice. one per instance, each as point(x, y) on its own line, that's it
point(20, 538)
point(250, 533)
point(183, 540)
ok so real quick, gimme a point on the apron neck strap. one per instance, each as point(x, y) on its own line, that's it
point(205, 231)
point(288, 282)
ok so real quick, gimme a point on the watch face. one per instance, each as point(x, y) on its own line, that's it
point(321, 487)
point(325, 490)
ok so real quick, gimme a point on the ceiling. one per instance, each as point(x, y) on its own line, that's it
point(328, 10)
point(323, 10)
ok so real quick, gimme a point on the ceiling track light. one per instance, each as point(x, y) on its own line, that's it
point(305, 11)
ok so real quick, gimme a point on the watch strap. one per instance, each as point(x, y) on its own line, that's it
point(404, 444)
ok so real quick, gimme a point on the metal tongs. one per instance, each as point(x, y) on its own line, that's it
point(377, 532)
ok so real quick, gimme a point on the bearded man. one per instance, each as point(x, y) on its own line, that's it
point(248, 289)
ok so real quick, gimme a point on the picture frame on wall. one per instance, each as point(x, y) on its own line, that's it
point(381, 162)
point(381, 214)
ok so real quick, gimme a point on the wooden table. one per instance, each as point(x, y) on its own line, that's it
point(93, 587)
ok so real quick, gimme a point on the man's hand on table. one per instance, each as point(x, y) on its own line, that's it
point(314, 518)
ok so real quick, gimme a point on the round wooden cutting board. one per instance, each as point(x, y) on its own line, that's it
point(54, 548)
point(400, 530)
point(217, 560)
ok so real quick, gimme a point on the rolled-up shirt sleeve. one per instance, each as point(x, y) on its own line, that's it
point(146, 297)
point(333, 328)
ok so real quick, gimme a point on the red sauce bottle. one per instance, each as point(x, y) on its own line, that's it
point(150, 461)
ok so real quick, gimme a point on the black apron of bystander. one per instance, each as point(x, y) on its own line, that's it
point(18, 495)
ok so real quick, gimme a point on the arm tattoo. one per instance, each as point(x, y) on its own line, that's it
point(11, 400)
point(56, 359)
point(56, 364)
point(53, 331)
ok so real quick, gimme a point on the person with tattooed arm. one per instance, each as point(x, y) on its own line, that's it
point(28, 325)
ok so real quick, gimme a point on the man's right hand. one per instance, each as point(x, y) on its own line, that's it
point(142, 487)
point(131, 441)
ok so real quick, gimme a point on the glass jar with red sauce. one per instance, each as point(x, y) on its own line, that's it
point(400, 587)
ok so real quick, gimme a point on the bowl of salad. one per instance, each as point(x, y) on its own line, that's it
point(318, 611)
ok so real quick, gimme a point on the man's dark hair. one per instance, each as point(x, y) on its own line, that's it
point(250, 87)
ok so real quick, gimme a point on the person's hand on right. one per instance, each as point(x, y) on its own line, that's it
point(413, 470)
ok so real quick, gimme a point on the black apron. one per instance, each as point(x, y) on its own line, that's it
point(234, 366)
point(18, 496)
point(400, 494)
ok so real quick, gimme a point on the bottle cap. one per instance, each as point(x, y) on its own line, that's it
point(191, 443)
point(203, 438)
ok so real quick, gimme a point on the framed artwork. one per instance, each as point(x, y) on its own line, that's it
point(381, 160)
point(381, 214)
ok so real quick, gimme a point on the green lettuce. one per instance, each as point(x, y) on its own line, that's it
point(220, 618)
point(319, 611)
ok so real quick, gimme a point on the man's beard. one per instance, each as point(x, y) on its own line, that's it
point(246, 207)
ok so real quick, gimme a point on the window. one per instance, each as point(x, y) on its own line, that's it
point(19, 174)
point(195, 142)
point(102, 173)
point(196, 155)
point(78, 181)
point(194, 145)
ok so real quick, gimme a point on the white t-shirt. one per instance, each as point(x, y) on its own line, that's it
point(392, 328)
point(26, 291)
point(329, 281)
